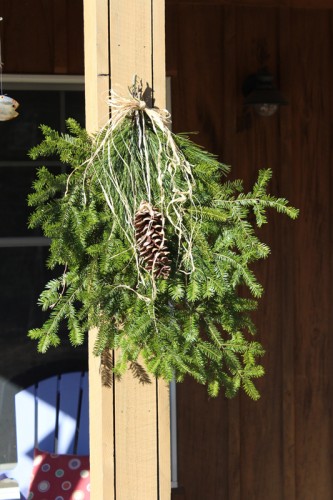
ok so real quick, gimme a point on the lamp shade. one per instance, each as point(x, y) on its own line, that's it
point(260, 92)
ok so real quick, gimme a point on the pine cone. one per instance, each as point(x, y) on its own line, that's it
point(150, 239)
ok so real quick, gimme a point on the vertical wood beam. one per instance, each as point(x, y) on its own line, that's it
point(96, 62)
point(97, 85)
point(129, 424)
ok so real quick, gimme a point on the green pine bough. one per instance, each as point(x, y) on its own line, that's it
point(162, 284)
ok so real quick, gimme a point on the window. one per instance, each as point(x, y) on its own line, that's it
point(45, 100)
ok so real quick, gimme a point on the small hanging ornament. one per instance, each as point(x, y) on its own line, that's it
point(8, 105)
point(150, 239)
point(8, 108)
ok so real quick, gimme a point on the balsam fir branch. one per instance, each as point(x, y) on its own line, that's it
point(154, 248)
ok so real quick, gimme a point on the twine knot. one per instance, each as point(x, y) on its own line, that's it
point(142, 104)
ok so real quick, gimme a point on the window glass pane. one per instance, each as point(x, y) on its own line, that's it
point(23, 276)
point(15, 186)
point(22, 279)
point(16, 139)
point(48, 107)
point(74, 106)
point(23, 271)
point(19, 135)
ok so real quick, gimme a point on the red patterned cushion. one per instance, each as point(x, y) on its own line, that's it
point(59, 477)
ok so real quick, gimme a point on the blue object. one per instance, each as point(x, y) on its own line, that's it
point(52, 415)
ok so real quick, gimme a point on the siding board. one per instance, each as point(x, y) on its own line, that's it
point(296, 4)
point(312, 155)
point(256, 148)
point(280, 447)
point(287, 320)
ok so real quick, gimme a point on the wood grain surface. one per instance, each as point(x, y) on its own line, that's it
point(295, 4)
point(280, 447)
point(130, 431)
point(42, 36)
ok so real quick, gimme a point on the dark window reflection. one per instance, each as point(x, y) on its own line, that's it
point(23, 270)
point(74, 106)
point(23, 275)
point(22, 279)
point(15, 186)
point(37, 107)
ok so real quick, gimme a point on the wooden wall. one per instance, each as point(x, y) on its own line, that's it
point(42, 36)
point(279, 448)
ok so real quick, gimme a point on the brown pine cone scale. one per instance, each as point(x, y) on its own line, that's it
point(150, 240)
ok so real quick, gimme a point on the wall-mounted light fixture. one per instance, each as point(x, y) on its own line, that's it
point(260, 92)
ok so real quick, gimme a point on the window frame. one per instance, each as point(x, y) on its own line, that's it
point(22, 82)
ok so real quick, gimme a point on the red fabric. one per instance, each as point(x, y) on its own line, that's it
point(59, 477)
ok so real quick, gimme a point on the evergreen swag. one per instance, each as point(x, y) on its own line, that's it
point(189, 319)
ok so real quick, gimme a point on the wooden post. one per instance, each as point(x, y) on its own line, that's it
point(129, 423)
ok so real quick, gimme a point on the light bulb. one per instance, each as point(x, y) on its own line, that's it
point(265, 109)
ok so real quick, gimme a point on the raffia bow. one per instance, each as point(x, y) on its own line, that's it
point(162, 175)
